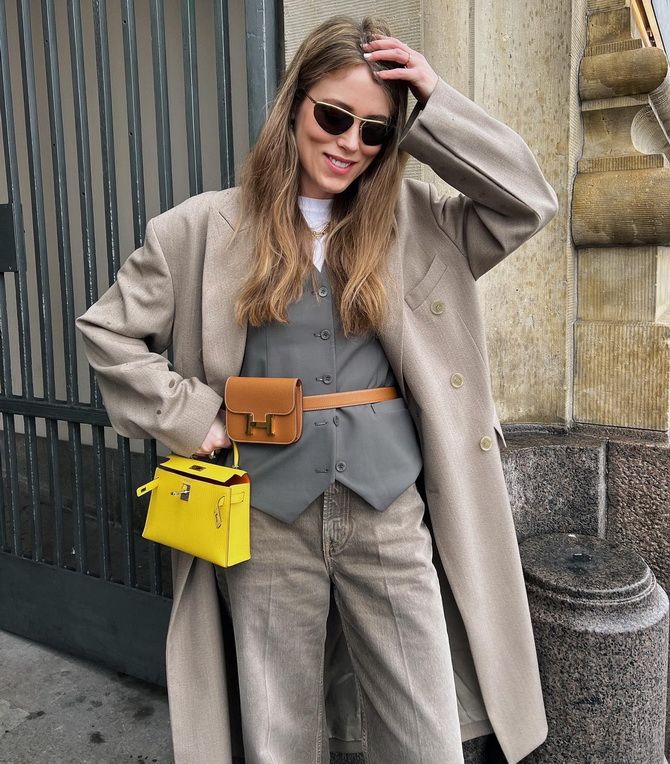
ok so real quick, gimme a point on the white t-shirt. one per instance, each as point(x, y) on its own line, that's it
point(317, 213)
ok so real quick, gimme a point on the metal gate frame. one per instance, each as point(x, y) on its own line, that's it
point(74, 571)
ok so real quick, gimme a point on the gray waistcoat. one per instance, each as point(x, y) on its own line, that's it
point(371, 448)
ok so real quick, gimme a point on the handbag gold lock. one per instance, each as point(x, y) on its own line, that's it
point(184, 494)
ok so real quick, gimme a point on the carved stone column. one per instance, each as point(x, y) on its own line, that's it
point(621, 226)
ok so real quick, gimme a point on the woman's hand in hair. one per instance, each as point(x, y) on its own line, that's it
point(413, 67)
point(216, 437)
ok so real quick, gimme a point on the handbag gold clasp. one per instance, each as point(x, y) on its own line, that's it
point(266, 425)
point(184, 494)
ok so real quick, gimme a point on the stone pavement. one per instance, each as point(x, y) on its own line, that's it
point(57, 709)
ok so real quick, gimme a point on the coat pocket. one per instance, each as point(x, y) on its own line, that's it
point(418, 294)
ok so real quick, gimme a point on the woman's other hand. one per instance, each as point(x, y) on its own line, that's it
point(414, 69)
point(216, 437)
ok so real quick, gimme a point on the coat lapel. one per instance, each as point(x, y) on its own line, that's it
point(225, 269)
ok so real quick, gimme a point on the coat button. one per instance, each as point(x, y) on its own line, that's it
point(323, 291)
point(437, 307)
point(456, 380)
point(341, 466)
point(325, 334)
point(485, 443)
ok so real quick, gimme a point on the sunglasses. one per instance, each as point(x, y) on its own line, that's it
point(335, 120)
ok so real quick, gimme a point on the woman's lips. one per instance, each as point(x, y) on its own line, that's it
point(338, 170)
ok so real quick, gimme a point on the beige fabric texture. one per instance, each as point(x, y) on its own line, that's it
point(179, 288)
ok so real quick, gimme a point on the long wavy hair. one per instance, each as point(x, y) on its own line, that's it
point(363, 222)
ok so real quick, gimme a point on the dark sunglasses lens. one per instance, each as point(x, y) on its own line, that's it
point(374, 134)
point(332, 120)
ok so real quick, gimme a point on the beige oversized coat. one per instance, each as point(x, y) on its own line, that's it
point(179, 288)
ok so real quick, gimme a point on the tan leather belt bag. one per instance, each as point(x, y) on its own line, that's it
point(269, 409)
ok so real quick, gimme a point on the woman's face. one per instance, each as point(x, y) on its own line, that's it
point(355, 90)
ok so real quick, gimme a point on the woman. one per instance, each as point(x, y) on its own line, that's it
point(237, 282)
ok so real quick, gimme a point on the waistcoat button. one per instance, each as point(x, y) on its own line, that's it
point(323, 291)
point(341, 466)
point(327, 379)
point(325, 334)
point(336, 420)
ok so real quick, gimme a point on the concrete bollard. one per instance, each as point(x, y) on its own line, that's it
point(601, 630)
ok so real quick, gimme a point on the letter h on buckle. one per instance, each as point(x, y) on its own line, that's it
point(266, 425)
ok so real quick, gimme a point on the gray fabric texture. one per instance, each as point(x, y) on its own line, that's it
point(387, 592)
point(371, 448)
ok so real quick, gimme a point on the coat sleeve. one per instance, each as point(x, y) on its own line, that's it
point(504, 197)
point(124, 334)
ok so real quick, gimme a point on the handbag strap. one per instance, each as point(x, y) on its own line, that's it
point(236, 456)
point(349, 398)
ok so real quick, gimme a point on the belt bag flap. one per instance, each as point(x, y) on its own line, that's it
point(263, 409)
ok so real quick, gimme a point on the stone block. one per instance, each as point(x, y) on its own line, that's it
point(609, 24)
point(555, 482)
point(621, 207)
point(622, 374)
point(623, 283)
point(625, 72)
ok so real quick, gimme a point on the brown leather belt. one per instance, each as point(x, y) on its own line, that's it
point(349, 398)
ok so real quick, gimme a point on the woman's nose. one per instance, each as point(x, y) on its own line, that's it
point(350, 138)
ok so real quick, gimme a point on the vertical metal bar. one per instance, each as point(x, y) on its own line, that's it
point(112, 240)
point(162, 105)
point(224, 94)
point(134, 118)
point(139, 222)
point(77, 66)
point(166, 191)
point(25, 351)
point(83, 150)
point(64, 256)
point(3, 524)
point(264, 45)
point(150, 461)
point(125, 487)
point(107, 138)
point(193, 142)
point(42, 273)
point(11, 537)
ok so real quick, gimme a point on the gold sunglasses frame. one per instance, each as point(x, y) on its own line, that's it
point(355, 116)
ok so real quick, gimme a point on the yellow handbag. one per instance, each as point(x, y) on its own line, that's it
point(200, 508)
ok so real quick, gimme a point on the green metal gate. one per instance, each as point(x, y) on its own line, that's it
point(111, 112)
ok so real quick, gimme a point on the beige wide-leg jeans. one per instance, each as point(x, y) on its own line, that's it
point(388, 596)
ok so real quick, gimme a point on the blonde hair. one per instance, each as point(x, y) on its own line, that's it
point(362, 216)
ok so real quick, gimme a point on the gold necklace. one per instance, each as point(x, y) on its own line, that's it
point(321, 231)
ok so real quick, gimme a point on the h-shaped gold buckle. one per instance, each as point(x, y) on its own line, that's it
point(266, 425)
